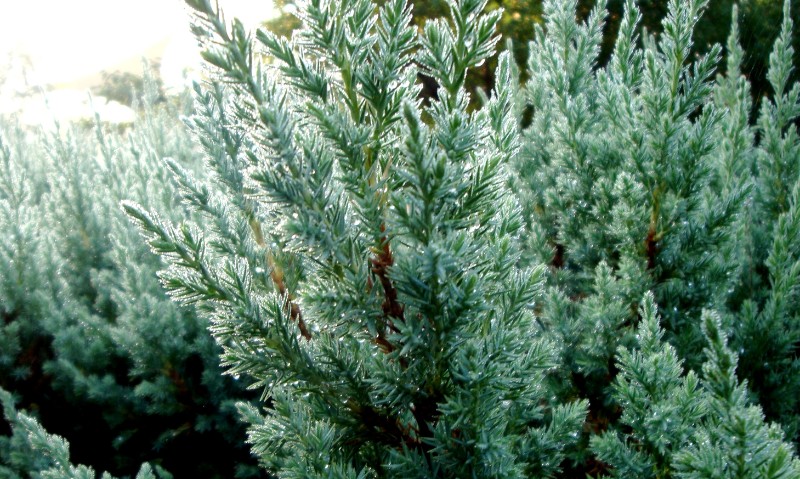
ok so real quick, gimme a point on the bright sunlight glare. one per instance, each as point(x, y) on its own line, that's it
point(61, 44)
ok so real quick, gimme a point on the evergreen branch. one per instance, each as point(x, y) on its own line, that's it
point(393, 310)
point(185, 251)
point(294, 309)
point(307, 76)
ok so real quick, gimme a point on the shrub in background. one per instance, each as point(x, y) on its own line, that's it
point(89, 343)
point(646, 174)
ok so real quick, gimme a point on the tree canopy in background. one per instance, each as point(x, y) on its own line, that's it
point(129, 88)
point(759, 25)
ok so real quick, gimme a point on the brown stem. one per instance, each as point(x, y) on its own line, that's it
point(380, 266)
point(294, 309)
point(384, 343)
point(392, 308)
point(426, 408)
point(276, 273)
point(651, 247)
point(558, 256)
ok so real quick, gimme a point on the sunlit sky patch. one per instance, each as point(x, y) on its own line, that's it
point(62, 41)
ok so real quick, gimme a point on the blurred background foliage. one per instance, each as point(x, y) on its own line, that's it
point(90, 343)
point(759, 25)
point(129, 88)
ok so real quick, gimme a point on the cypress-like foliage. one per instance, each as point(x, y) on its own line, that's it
point(619, 163)
point(42, 455)
point(655, 174)
point(648, 175)
point(363, 271)
point(764, 307)
point(424, 290)
point(682, 425)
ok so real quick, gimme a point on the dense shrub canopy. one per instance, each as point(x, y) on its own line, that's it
point(591, 272)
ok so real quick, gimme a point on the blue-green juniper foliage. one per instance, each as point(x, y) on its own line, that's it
point(90, 344)
point(426, 290)
point(591, 274)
